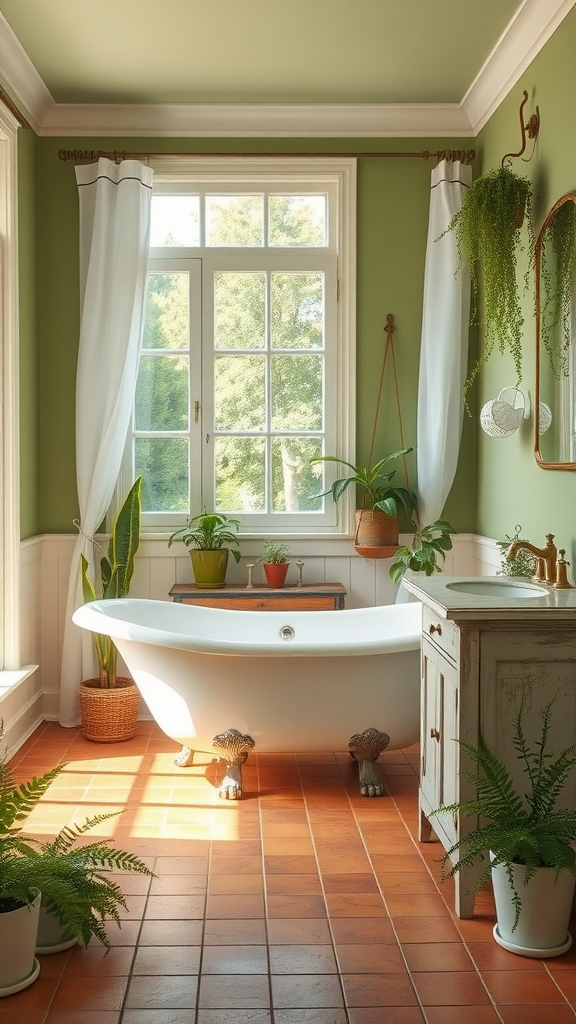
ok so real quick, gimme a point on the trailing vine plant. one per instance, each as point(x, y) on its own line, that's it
point(557, 243)
point(488, 231)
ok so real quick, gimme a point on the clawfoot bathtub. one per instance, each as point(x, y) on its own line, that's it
point(228, 681)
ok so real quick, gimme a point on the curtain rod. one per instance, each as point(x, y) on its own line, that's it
point(5, 99)
point(465, 155)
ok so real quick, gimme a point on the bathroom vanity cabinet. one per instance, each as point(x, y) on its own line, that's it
point(481, 658)
point(308, 597)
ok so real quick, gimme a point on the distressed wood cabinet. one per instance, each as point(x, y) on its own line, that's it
point(479, 665)
point(309, 597)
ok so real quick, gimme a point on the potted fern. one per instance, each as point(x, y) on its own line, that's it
point(488, 231)
point(65, 884)
point(376, 532)
point(109, 704)
point(210, 536)
point(524, 841)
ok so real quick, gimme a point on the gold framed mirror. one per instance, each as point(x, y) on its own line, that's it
point(555, 393)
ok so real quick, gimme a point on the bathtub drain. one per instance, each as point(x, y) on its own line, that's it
point(287, 633)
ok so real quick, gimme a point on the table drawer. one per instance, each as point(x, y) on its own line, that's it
point(264, 604)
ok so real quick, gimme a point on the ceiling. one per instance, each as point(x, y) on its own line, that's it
point(139, 66)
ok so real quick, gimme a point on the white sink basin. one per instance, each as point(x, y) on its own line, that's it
point(497, 588)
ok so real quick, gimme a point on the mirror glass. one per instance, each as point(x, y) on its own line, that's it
point(554, 414)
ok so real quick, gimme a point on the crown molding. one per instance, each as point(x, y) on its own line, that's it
point(320, 120)
point(523, 38)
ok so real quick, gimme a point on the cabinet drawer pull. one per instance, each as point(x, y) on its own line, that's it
point(436, 629)
point(435, 735)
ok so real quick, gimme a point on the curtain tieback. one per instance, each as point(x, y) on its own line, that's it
point(91, 540)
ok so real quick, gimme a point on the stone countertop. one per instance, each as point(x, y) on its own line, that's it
point(447, 596)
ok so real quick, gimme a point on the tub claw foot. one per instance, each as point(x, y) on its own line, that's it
point(233, 747)
point(185, 758)
point(365, 748)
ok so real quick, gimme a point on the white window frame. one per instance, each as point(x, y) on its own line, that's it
point(295, 174)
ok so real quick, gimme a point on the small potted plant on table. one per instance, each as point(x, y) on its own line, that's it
point(525, 842)
point(275, 562)
point(210, 536)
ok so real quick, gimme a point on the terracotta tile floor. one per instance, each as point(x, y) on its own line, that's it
point(303, 903)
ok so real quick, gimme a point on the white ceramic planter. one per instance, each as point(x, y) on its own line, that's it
point(542, 929)
point(18, 965)
point(52, 936)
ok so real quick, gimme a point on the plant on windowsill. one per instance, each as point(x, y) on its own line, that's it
point(428, 549)
point(488, 239)
point(532, 861)
point(376, 533)
point(62, 886)
point(109, 704)
point(211, 536)
point(275, 562)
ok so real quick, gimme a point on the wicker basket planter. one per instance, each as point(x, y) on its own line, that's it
point(376, 534)
point(109, 715)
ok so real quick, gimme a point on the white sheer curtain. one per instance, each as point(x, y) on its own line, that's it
point(444, 346)
point(115, 201)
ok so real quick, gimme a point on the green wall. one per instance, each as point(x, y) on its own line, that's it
point(511, 487)
point(393, 202)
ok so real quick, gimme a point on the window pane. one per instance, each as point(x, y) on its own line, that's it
point(294, 480)
point(239, 310)
point(162, 393)
point(175, 220)
point(239, 393)
point(297, 310)
point(234, 220)
point(163, 464)
point(297, 220)
point(240, 474)
point(297, 392)
point(166, 322)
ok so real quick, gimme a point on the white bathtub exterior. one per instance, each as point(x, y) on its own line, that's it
point(203, 671)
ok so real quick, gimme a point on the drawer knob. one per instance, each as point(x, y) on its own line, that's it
point(260, 604)
point(436, 629)
point(435, 735)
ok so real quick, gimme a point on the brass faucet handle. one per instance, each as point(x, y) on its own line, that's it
point(561, 576)
point(549, 540)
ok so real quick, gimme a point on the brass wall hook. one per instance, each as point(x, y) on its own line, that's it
point(530, 129)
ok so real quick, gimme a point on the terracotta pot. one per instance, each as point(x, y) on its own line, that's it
point(276, 573)
point(209, 568)
point(109, 715)
point(376, 534)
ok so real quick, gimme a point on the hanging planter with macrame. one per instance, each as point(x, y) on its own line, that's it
point(376, 528)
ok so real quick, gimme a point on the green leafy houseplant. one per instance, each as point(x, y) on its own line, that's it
point(527, 830)
point(488, 239)
point(429, 545)
point(72, 879)
point(209, 531)
point(210, 536)
point(116, 570)
point(374, 484)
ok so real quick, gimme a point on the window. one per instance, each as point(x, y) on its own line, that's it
point(246, 370)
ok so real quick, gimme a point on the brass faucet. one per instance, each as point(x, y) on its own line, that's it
point(546, 569)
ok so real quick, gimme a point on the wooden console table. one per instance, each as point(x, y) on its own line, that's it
point(310, 596)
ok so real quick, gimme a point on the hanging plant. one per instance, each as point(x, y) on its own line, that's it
point(488, 238)
point(556, 246)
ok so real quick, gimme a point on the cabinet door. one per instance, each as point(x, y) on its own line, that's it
point(440, 752)
point(529, 668)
